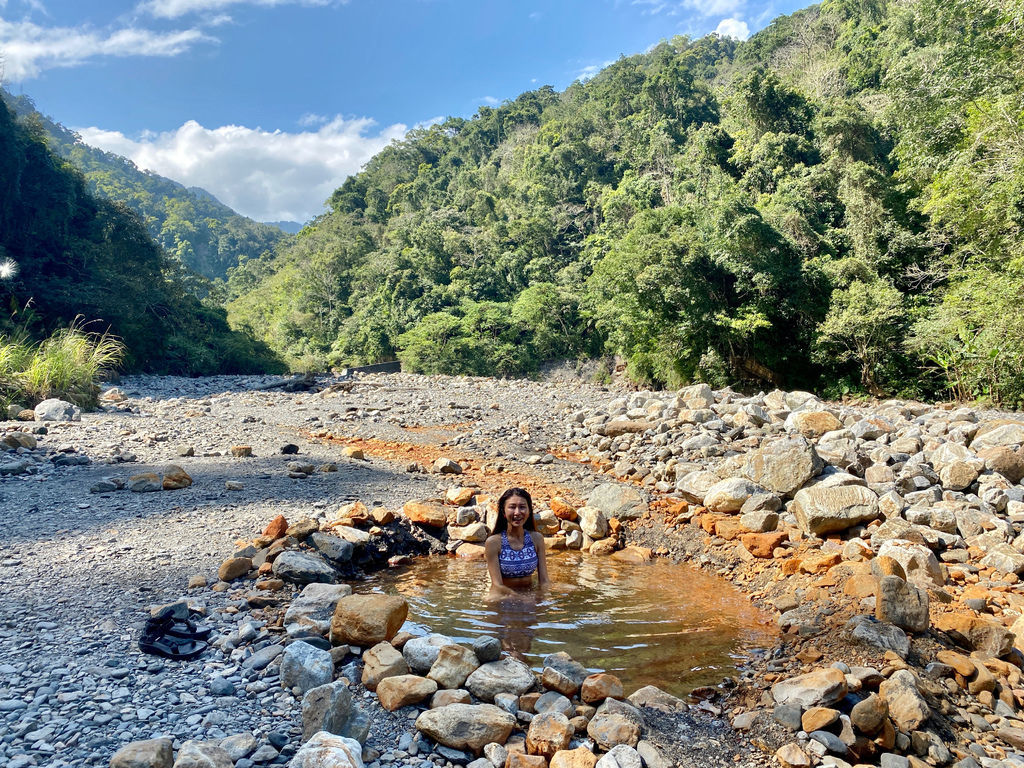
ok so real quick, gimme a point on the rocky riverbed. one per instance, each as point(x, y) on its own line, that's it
point(886, 538)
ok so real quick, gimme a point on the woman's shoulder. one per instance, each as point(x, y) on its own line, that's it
point(494, 540)
point(538, 538)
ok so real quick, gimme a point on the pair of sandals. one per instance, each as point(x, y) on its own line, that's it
point(174, 638)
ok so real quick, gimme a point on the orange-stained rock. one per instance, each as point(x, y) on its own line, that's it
point(600, 687)
point(241, 451)
point(353, 514)
point(578, 758)
point(381, 661)
point(234, 568)
point(562, 509)
point(581, 757)
point(520, 760)
point(614, 525)
point(602, 547)
point(445, 696)
point(763, 544)
point(791, 566)
point(708, 522)
point(460, 497)
point(860, 585)
point(820, 562)
point(548, 733)
point(554, 680)
point(976, 633)
point(176, 478)
point(730, 528)
point(470, 551)
point(402, 690)
point(276, 528)
point(957, 661)
point(429, 513)
point(818, 718)
point(883, 565)
point(528, 702)
point(382, 515)
point(634, 554)
point(366, 620)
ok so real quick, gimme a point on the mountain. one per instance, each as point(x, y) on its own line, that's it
point(72, 258)
point(291, 227)
point(835, 204)
point(190, 223)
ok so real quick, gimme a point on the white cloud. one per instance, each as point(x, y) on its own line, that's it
point(28, 48)
point(490, 101)
point(589, 71)
point(173, 9)
point(733, 28)
point(266, 175)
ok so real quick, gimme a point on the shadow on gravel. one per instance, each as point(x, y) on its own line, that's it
point(65, 506)
point(159, 388)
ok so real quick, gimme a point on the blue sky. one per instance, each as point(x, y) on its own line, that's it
point(270, 104)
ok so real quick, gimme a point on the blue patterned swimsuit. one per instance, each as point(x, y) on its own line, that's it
point(517, 563)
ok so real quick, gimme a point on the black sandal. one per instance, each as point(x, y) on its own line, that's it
point(166, 623)
point(180, 649)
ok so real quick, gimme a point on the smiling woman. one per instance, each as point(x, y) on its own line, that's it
point(516, 550)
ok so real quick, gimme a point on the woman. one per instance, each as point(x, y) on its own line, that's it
point(515, 550)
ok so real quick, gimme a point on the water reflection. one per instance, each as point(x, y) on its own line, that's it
point(661, 624)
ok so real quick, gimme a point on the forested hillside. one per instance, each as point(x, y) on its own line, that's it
point(190, 224)
point(72, 258)
point(836, 203)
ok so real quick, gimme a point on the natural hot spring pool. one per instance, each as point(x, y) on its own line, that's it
point(658, 624)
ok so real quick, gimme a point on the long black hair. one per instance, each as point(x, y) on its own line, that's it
point(502, 523)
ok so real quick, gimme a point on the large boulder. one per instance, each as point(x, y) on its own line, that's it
point(421, 652)
point(326, 750)
point(403, 690)
point(329, 708)
point(432, 514)
point(548, 733)
point(55, 409)
point(975, 633)
point(812, 424)
point(152, 753)
point(593, 522)
point(782, 465)
point(366, 620)
point(907, 707)
point(614, 500)
point(821, 509)
point(506, 675)
point(466, 726)
point(1005, 433)
point(878, 634)
point(380, 661)
point(313, 609)
point(730, 495)
point(918, 561)
point(203, 754)
point(820, 688)
point(305, 667)
point(453, 665)
point(303, 568)
point(901, 603)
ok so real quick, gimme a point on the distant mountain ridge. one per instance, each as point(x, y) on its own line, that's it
point(188, 222)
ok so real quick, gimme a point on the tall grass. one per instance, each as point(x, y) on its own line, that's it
point(68, 365)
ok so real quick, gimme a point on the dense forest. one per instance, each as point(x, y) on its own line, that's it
point(68, 258)
point(835, 204)
point(194, 227)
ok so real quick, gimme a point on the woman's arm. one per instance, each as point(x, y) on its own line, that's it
point(492, 548)
point(542, 561)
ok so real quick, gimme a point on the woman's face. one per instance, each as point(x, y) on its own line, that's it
point(516, 511)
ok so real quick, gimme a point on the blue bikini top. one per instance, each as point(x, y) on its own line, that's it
point(517, 563)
